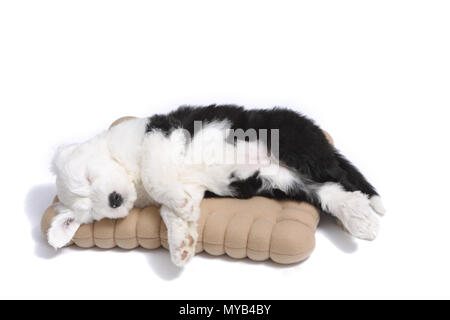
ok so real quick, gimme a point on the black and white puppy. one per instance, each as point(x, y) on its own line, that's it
point(179, 158)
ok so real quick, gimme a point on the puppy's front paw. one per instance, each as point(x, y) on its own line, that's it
point(183, 250)
point(358, 218)
point(185, 209)
point(184, 206)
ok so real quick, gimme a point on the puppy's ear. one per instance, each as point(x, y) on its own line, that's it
point(63, 228)
point(60, 157)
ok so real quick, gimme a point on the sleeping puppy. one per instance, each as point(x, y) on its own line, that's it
point(177, 159)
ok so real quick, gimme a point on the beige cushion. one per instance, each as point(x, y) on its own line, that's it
point(257, 228)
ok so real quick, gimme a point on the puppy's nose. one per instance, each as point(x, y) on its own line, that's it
point(115, 200)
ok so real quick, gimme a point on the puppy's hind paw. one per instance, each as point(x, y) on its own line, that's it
point(377, 205)
point(358, 218)
point(365, 229)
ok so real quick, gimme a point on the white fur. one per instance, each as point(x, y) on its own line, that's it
point(62, 229)
point(125, 145)
point(86, 175)
point(377, 205)
point(351, 208)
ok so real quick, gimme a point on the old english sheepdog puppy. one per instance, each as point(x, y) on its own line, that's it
point(177, 159)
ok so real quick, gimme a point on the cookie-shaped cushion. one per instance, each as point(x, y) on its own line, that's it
point(257, 228)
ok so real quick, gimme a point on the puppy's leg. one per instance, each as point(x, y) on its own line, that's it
point(181, 224)
point(190, 211)
point(182, 236)
point(352, 179)
point(377, 205)
point(352, 208)
point(162, 163)
point(163, 169)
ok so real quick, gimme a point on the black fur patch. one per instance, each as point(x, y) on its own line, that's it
point(246, 188)
point(164, 123)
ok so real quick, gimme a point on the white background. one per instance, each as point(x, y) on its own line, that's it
point(375, 74)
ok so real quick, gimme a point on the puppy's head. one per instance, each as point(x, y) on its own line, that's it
point(91, 186)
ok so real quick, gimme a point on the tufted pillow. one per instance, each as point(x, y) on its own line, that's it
point(257, 228)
